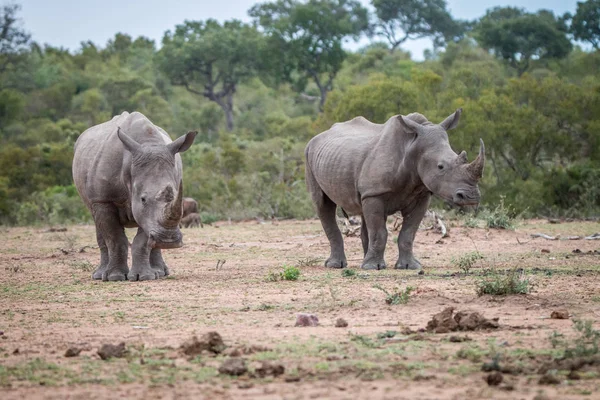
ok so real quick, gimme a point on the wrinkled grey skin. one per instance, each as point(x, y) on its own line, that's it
point(129, 174)
point(375, 170)
point(189, 206)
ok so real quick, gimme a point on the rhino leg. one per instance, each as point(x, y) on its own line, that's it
point(364, 235)
point(406, 237)
point(158, 264)
point(115, 247)
point(374, 217)
point(97, 274)
point(140, 255)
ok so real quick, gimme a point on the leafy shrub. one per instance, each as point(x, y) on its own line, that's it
point(500, 218)
point(397, 297)
point(465, 262)
point(290, 273)
point(347, 273)
point(585, 344)
point(503, 284)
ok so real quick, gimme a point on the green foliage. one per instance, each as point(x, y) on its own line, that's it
point(397, 297)
point(585, 24)
point(290, 273)
point(466, 261)
point(501, 284)
point(500, 217)
point(585, 344)
point(348, 273)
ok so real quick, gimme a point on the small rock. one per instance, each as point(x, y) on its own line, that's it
point(16, 351)
point(341, 323)
point(549, 379)
point(234, 366)
point(108, 351)
point(210, 342)
point(269, 369)
point(292, 378)
point(545, 251)
point(304, 319)
point(560, 314)
point(245, 385)
point(72, 352)
point(494, 379)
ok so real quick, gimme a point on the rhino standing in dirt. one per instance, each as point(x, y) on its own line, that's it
point(375, 170)
point(129, 174)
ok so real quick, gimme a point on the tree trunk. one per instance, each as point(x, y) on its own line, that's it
point(227, 106)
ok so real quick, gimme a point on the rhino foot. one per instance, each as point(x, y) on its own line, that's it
point(161, 270)
point(333, 262)
point(409, 263)
point(144, 273)
point(373, 264)
point(114, 274)
point(99, 272)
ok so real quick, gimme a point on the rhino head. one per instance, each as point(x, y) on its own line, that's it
point(156, 188)
point(445, 173)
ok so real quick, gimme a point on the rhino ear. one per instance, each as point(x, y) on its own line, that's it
point(410, 125)
point(182, 143)
point(130, 145)
point(452, 121)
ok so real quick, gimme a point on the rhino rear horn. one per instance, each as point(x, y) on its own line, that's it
point(131, 145)
point(452, 121)
point(182, 143)
point(476, 167)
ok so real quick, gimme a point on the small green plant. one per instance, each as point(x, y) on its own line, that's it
point(586, 344)
point(500, 218)
point(499, 284)
point(364, 340)
point(290, 273)
point(472, 222)
point(466, 261)
point(348, 273)
point(398, 297)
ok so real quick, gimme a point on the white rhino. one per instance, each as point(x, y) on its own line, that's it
point(375, 170)
point(129, 174)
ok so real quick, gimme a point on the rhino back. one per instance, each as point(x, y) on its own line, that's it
point(101, 163)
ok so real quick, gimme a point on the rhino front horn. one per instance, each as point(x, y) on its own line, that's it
point(476, 167)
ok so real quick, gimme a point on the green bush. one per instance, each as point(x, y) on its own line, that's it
point(500, 284)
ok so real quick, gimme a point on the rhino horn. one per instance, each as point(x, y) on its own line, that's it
point(174, 210)
point(476, 167)
point(130, 144)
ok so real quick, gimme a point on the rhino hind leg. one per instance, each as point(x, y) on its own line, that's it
point(158, 264)
point(364, 235)
point(376, 233)
point(97, 274)
point(141, 270)
point(112, 242)
point(326, 211)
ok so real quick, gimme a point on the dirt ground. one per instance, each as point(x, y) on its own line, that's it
point(49, 303)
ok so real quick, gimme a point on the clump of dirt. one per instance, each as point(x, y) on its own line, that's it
point(459, 339)
point(73, 352)
point(108, 351)
point(267, 368)
point(210, 342)
point(494, 379)
point(341, 323)
point(446, 321)
point(245, 350)
point(560, 314)
point(234, 366)
point(548, 379)
point(304, 319)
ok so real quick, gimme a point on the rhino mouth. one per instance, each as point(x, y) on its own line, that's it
point(165, 240)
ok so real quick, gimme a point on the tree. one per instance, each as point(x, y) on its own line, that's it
point(13, 39)
point(210, 59)
point(585, 24)
point(519, 37)
point(400, 20)
point(307, 38)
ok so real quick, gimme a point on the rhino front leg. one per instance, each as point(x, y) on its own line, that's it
point(157, 263)
point(112, 242)
point(326, 211)
point(410, 224)
point(141, 269)
point(374, 219)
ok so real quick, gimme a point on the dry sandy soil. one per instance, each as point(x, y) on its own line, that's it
point(49, 303)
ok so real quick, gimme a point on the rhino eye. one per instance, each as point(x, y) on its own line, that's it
point(440, 166)
point(143, 199)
